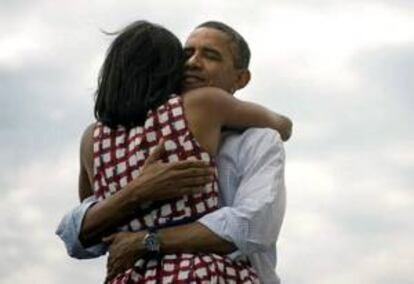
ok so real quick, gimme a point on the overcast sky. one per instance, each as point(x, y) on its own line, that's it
point(342, 70)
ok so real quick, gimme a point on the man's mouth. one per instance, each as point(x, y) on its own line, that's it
point(193, 78)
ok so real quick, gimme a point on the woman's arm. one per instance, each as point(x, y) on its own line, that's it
point(238, 113)
point(86, 163)
point(232, 112)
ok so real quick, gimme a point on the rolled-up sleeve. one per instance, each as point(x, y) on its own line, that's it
point(252, 220)
point(69, 229)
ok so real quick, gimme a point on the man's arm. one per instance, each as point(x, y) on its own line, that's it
point(252, 217)
point(86, 224)
point(126, 247)
point(250, 222)
point(69, 228)
point(157, 181)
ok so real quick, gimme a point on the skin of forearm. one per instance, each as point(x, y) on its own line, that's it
point(251, 114)
point(281, 123)
point(102, 218)
point(193, 238)
point(158, 181)
point(268, 118)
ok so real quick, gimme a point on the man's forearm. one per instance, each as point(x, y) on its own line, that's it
point(158, 181)
point(193, 238)
point(126, 247)
point(69, 228)
point(102, 218)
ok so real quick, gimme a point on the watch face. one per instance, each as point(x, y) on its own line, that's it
point(152, 242)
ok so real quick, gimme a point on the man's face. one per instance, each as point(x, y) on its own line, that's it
point(209, 61)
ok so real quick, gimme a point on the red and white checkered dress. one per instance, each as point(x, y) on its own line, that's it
point(118, 156)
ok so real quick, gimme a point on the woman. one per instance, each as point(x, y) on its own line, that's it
point(136, 108)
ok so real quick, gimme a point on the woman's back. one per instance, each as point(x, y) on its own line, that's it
point(118, 156)
point(120, 153)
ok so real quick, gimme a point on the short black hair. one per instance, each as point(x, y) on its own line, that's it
point(241, 56)
point(142, 68)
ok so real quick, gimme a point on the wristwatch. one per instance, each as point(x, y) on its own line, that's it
point(151, 241)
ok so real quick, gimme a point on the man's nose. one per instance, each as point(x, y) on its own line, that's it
point(194, 61)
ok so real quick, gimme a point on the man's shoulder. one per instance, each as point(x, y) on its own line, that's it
point(251, 140)
point(267, 133)
point(253, 135)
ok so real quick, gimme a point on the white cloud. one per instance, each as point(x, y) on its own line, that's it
point(12, 50)
point(44, 190)
point(344, 224)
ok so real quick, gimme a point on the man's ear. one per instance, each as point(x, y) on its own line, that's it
point(243, 78)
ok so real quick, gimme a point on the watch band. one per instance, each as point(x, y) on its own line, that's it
point(151, 241)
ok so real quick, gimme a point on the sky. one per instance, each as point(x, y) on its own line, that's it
point(341, 70)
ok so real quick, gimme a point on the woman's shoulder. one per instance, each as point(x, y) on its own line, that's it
point(87, 136)
point(204, 96)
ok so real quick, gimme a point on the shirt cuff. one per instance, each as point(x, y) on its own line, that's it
point(69, 230)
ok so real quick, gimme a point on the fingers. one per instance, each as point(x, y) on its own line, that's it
point(156, 154)
point(109, 269)
point(110, 275)
point(191, 190)
point(191, 180)
point(186, 186)
point(112, 271)
point(194, 172)
point(189, 164)
point(114, 265)
point(109, 239)
point(194, 181)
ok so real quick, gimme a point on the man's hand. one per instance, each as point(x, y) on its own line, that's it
point(157, 181)
point(160, 181)
point(124, 250)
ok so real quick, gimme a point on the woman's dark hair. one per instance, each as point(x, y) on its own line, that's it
point(142, 68)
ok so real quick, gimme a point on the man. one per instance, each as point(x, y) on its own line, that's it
point(251, 177)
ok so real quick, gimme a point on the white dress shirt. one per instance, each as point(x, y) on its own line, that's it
point(252, 201)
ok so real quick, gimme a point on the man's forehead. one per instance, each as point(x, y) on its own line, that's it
point(208, 36)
